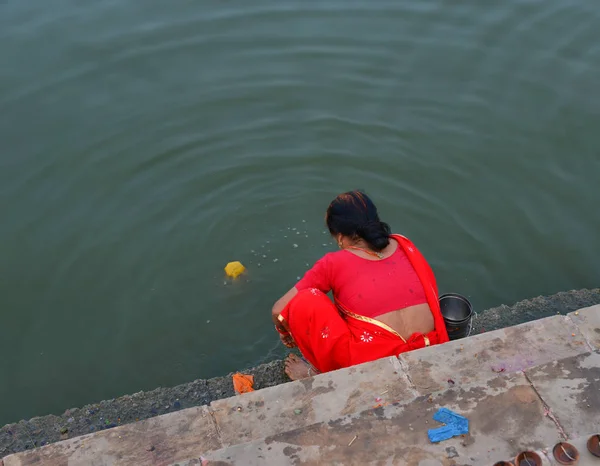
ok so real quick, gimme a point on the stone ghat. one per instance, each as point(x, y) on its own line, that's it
point(524, 387)
point(40, 431)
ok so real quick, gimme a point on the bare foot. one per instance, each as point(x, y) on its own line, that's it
point(296, 368)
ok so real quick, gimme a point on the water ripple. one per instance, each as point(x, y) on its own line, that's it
point(145, 144)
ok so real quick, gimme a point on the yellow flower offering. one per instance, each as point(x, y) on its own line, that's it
point(234, 269)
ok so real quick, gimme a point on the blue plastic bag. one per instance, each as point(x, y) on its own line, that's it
point(455, 424)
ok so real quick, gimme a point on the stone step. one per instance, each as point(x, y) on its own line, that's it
point(588, 321)
point(473, 361)
point(449, 457)
point(480, 358)
point(305, 402)
point(514, 412)
point(161, 440)
point(466, 367)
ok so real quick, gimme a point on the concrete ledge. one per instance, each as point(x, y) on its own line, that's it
point(571, 387)
point(108, 414)
point(301, 403)
point(480, 358)
point(157, 441)
point(588, 322)
point(522, 387)
point(506, 416)
point(42, 430)
point(504, 419)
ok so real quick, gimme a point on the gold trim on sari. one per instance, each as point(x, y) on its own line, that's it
point(369, 320)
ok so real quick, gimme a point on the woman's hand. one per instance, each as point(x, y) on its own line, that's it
point(287, 340)
point(284, 332)
point(280, 324)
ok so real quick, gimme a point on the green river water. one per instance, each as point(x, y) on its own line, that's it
point(146, 143)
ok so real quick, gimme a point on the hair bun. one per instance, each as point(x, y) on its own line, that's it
point(375, 233)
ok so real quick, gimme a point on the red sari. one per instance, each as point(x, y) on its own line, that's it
point(330, 336)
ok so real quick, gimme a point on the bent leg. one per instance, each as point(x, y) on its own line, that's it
point(321, 334)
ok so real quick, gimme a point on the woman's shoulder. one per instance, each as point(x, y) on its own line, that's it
point(333, 256)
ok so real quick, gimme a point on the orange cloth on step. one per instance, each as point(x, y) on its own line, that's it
point(243, 383)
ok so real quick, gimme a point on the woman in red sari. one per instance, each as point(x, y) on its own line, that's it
point(385, 296)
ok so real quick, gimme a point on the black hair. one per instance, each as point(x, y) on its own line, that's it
point(353, 214)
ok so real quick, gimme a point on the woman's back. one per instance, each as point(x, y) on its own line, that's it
point(385, 292)
point(367, 286)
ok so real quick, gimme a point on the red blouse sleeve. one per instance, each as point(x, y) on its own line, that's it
point(319, 276)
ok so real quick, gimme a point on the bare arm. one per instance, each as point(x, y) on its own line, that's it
point(281, 326)
point(281, 304)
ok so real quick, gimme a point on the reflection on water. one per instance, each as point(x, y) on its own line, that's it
point(143, 145)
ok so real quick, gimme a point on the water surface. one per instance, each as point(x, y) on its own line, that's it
point(144, 144)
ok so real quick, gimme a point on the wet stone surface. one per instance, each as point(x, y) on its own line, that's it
point(502, 422)
point(106, 415)
point(40, 431)
point(571, 387)
point(301, 403)
point(588, 321)
point(509, 350)
point(158, 441)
